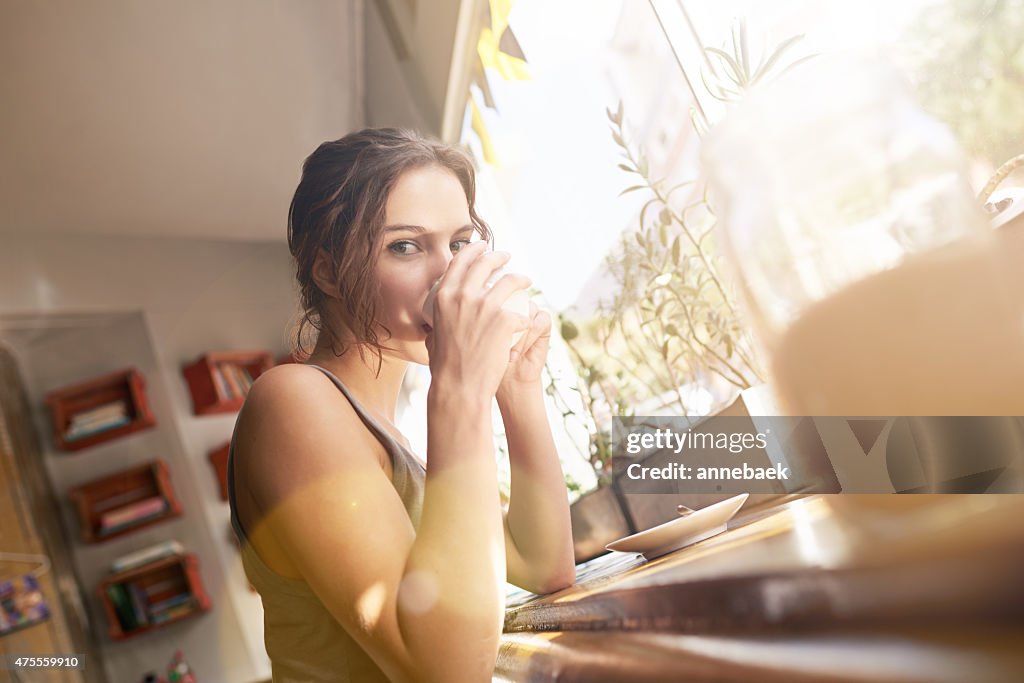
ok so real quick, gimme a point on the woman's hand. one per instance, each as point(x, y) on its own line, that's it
point(530, 352)
point(469, 345)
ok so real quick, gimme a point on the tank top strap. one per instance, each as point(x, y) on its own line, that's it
point(382, 434)
point(408, 474)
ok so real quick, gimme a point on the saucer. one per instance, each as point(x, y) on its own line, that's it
point(677, 533)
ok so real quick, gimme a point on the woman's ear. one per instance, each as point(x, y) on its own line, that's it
point(324, 274)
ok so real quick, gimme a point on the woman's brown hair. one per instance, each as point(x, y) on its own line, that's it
point(339, 207)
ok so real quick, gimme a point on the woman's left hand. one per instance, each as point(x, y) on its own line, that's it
point(530, 352)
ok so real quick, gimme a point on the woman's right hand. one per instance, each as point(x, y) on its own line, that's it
point(471, 340)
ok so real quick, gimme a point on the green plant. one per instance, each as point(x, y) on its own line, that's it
point(674, 324)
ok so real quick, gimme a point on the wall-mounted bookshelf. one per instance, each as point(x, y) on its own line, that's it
point(152, 596)
point(219, 462)
point(218, 381)
point(125, 502)
point(99, 410)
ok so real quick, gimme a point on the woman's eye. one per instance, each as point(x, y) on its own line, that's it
point(457, 245)
point(403, 247)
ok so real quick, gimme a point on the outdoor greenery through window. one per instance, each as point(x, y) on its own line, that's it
point(587, 122)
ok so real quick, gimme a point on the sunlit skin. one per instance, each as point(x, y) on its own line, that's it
point(425, 605)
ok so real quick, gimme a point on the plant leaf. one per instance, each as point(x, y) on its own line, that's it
point(730, 62)
point(616, 116)
point(775, 56)
point(798, 63)
point(741, 48)
point(665, 217)
point(680, 186)
point(643, 211)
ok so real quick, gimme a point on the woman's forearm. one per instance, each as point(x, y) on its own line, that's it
point(451, 604)
point(541, 552)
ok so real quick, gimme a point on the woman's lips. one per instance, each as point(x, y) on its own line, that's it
point(426, 328)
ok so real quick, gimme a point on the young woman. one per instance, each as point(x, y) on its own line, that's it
point(373, 566)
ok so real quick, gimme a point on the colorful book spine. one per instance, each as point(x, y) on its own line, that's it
point(174, 601)
point(235, 389)
point(122, 606)
point(133, 512)
point(173, 613)
point(107, 531)
point(240, 379)
point(138, 602)
point(83, 432)
point(100, 413)
point(147, 555)
point(245, 376)
point(221, 384)
point(165, 588)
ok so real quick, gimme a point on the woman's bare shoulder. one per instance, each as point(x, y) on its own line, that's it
point(294, 392)
point(290, 378)
point(290, 428)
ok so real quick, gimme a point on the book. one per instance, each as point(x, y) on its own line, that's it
point(168, 603)
point(81, 433)
point(99, 413)
point(133, 512)
point(107, 531)
point(138, 601)
point(220, 383)
point(221, 371)
point(122, 606)
point(234, 379)
point(173, 613)
point(245, 376)
point(146, 556)
point(160, 591)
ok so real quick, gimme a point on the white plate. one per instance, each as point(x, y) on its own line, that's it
point(677, 533)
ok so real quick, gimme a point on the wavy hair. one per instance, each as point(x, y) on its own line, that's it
point(339, 206)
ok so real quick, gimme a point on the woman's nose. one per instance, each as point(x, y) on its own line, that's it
point(440, 263)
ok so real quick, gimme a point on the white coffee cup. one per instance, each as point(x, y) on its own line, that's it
point(518, 302)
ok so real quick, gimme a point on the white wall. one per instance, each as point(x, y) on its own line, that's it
point(72, 307)
point(169, 118)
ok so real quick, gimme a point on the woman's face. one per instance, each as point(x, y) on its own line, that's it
point(426, 220)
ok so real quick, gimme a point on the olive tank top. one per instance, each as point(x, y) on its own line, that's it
point(305, 643)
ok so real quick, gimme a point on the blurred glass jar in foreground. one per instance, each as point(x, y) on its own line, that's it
point(870, 272)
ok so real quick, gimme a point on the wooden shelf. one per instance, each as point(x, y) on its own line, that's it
point(125, 502)
point(99, 410)
point(152, 596)
point(219, 381)
point(219, 462)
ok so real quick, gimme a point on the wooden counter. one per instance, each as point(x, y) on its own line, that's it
point(825, 588)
